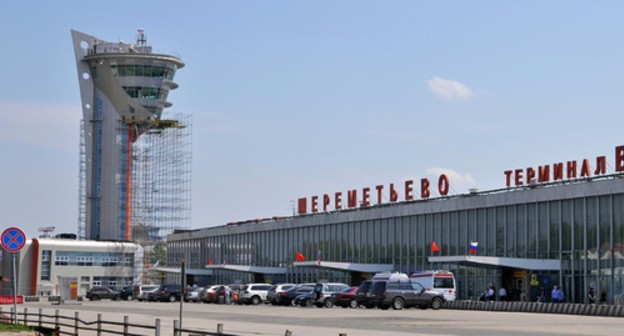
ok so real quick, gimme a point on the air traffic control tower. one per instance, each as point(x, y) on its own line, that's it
point(123, 89)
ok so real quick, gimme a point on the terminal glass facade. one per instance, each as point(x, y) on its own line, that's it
point(585, 232)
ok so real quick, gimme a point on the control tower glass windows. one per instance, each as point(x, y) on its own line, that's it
point(140, 70)
point(146, 92)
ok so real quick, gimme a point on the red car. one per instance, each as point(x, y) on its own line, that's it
point(346, 298)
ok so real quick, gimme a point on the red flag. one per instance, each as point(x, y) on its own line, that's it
point(209, 261)
point(299, 256)
point(434, 247)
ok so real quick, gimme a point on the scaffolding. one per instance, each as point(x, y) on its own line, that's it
point(161, 180)
point(82, 184)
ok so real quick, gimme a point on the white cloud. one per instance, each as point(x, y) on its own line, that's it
point(450, 89)
point(460, 183)
point(46, 125)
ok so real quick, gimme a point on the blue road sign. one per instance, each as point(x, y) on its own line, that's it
point(13, 239)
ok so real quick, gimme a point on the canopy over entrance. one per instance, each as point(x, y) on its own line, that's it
point(344, 266)
point(495, 262)
point(188, 271)
point(248, 269)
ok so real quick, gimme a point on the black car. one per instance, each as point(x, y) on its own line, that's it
point(170, 293)
point(287, 298)
point(306, 298)
point(99, 292)
point(361, 295)
point(400, 294)
point(127, 293)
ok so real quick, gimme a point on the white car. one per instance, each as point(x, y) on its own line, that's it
point(254, 293)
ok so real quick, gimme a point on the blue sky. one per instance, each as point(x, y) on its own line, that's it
point(293, 99)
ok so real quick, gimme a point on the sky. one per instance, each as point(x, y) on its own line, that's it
point(292, 99)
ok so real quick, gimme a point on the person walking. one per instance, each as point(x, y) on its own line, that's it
point(554, 295)
point(560, 295)
point(502, 294)
point(490, 294)
point(591, 296)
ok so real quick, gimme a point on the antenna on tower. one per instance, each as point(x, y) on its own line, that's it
point(141, 38)
point(45, 231)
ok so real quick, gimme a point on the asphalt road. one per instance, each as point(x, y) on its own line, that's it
point(270, 320)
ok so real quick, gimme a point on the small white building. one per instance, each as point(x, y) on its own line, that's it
point(43, 262)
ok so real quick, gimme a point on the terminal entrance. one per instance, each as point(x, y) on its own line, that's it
point(527, 280)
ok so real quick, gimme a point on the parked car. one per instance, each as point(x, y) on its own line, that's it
point(208, 294)
point(287, 298)
point(193, 295)
point(274, 293)
point(361, 294)
point(99, 292)
point(306, 298)
point(346, 298)
point(254, 293)
point(127, 293)
point(168, 292)
point(223, 294)
point(399, 294)
point(323, 292)
point(142, 291)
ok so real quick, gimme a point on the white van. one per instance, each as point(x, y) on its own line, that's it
point(442, 282)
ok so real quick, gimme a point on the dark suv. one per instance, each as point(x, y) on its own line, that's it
point(361, 295)
point(399, 294)
point(171, 293)
point(127, 293)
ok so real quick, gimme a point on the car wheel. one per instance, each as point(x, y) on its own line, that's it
point(398, 303)
point(255, 300)
point(95, 298)
point(309, 303)
point(172, 298)
point(353, 304)
point(129, 297)
point(116, 298)
point(328, 303)
point(293, 302)
point(436, 303)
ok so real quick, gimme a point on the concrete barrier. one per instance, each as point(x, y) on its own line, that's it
point(539, 307)
point(576, 310)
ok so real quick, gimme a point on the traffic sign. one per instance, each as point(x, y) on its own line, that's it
point(13, 239)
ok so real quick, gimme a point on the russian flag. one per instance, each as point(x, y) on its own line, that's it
point(473, 247)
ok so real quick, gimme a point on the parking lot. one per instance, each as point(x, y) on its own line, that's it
point(275, 320)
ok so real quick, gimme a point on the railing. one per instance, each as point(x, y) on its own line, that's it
point(57, 325)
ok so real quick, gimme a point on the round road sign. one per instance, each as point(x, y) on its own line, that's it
point(13, 239)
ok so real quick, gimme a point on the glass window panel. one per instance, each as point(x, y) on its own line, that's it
point(521, 231)
point(532, 230)
point(500, 231)
point(542, 224)
point(454, 233)
point(566, 225)
point(579, 232)
point(604, 234)
point(511, 231)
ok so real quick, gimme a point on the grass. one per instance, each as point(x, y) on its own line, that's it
point(13, 327)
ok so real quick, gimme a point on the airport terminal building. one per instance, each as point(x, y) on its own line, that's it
point(558, 224)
